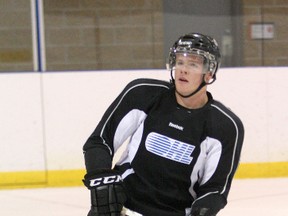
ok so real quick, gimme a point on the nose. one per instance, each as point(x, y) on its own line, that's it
point(184, 69)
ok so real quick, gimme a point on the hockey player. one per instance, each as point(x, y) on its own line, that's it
point(184, 146)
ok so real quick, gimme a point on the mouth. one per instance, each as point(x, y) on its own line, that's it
point(181, 79)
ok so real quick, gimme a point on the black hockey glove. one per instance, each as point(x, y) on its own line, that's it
point(107, 193)
point(202, 212)
point(208, 206)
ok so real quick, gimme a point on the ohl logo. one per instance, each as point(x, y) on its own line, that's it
point(169, 148)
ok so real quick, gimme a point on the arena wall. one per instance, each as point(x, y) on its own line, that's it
point(47, 117)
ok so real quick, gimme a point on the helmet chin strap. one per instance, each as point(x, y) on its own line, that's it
point(194, 92)
point(197, 90)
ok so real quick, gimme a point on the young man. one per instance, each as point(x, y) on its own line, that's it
point(184, 146)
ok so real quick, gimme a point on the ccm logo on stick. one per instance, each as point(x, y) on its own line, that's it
point(105, 180)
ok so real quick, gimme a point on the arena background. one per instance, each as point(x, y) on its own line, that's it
point(63, 62)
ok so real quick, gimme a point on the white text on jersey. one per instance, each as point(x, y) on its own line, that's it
point(176, 126)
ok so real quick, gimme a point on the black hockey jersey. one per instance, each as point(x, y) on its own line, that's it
point(175, 156)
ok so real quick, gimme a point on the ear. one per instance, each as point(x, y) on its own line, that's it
point(208, 77)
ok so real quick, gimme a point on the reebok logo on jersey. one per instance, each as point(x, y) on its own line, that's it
point(169, 148)
point(176, 126)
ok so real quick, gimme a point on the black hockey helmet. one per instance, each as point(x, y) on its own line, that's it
point(196, 43)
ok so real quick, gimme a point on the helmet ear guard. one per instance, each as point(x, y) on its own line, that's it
point(212, 67)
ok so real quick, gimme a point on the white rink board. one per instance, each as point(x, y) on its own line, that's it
point(258, 96)
point(21, 123)
point(73, 102)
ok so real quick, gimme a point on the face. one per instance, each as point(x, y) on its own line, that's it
point(189, 69)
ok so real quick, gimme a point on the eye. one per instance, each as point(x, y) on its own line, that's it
point(179, 63)
point(193, 64)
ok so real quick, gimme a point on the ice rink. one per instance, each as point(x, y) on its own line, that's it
point(253, 197)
